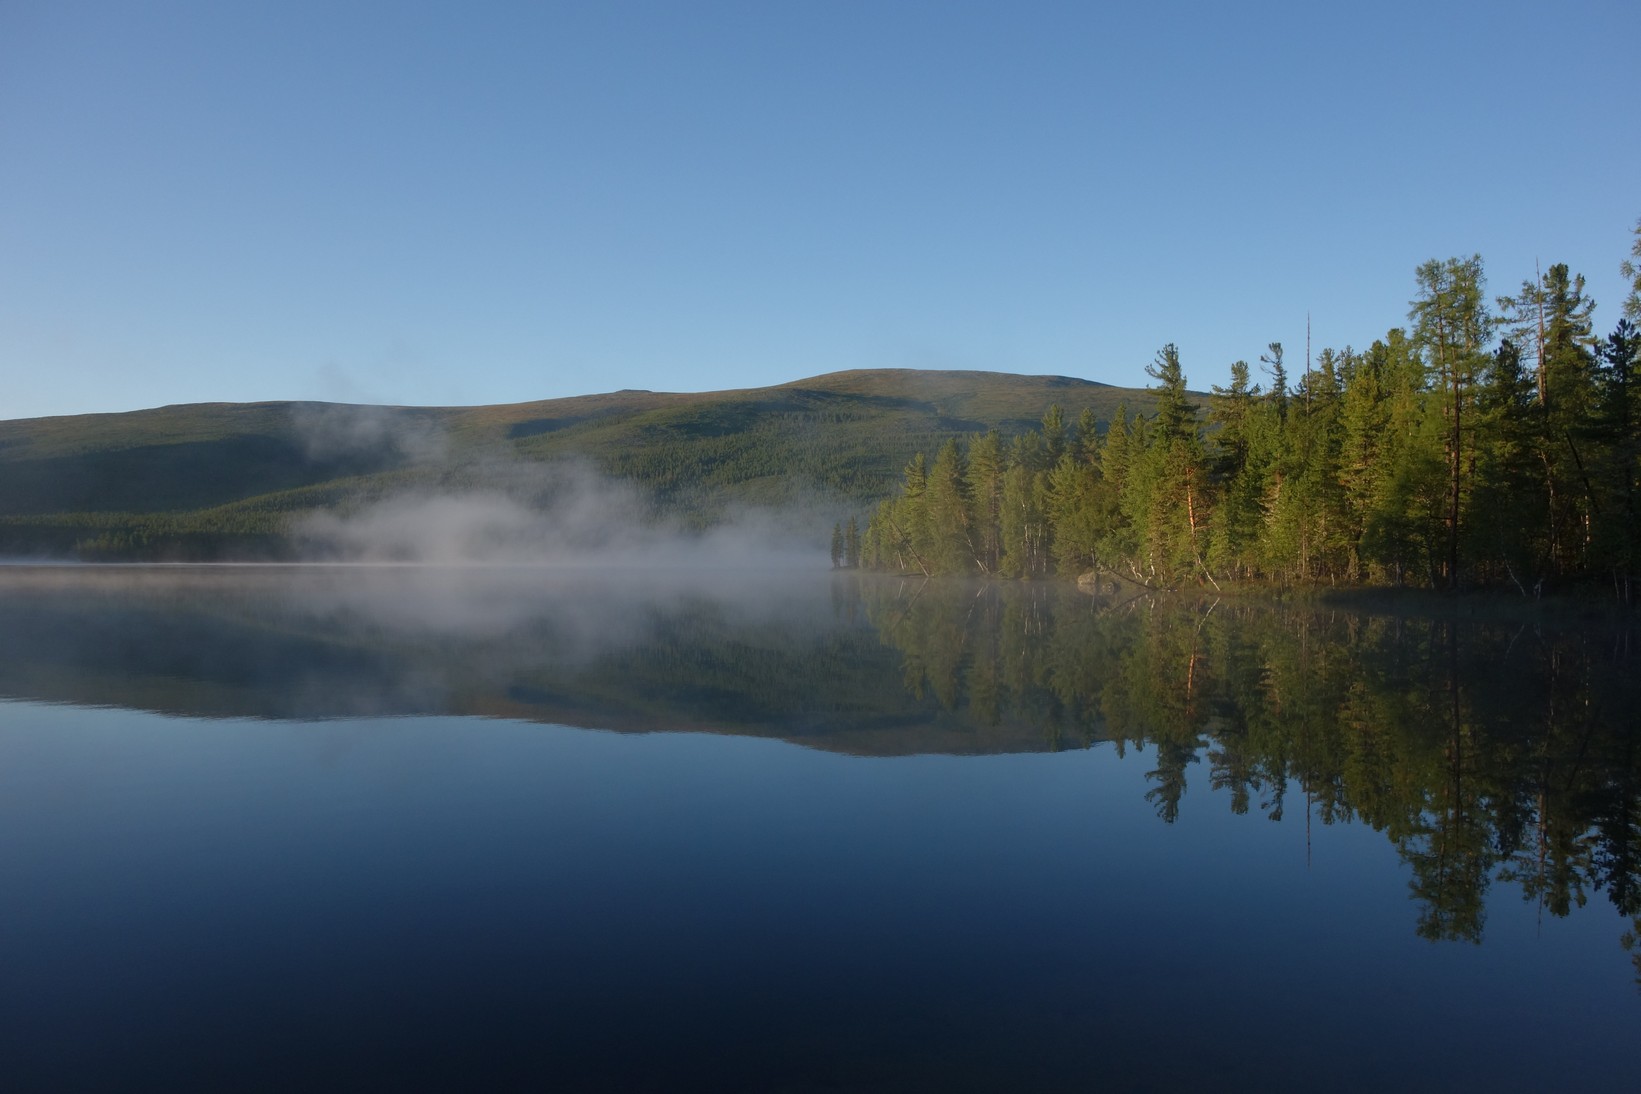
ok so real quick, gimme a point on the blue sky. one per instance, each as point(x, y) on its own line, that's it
point(456, 204)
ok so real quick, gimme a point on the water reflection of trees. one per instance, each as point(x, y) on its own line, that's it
point(1487, 753)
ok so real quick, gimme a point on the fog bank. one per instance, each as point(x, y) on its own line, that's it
point(564, 514)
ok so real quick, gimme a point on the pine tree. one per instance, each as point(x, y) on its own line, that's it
point(985, 493)
point(1451, 324)
point(879, 546)
point(1169, 508)
point(1237, 517)
point(1405, 514)
point(1632, 271)
point(1272, 361)
point(950, 545)
point(1024, 523)
point(1072, 508)
point(1229, 409)
point(1617, 425)
point(1087, 444)
point(911, 516)
point(1054, 436)
point(1549, 321)
point(1364, 414)
point(1115, 539)
point(1510, 503)
point(1324, 524)
point(1176, 417)
point(897, 534)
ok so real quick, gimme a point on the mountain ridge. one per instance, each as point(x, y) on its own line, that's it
point(220, 479)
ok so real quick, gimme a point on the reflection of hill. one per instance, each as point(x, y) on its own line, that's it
point(1485, 753)
point(314, 643)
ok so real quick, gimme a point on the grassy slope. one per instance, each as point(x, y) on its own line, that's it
point(231, 475)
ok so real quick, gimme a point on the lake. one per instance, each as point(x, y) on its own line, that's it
point(278, 828)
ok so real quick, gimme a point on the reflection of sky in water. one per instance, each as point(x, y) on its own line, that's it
point(456, 900)
point(453, 899)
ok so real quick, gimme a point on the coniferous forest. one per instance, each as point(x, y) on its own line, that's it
point(1489, 442)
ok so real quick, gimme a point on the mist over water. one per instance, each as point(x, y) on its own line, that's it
point(335, 640)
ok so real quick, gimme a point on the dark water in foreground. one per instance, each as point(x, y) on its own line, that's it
point(283, 829)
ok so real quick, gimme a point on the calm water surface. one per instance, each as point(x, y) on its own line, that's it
point(278, 828)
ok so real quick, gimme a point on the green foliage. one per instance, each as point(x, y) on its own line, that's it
point(1432, 459)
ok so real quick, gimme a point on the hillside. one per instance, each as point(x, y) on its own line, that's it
point(214, 480)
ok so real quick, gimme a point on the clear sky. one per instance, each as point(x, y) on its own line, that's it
point(494, 202)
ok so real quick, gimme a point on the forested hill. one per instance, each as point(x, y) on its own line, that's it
point(216, 480)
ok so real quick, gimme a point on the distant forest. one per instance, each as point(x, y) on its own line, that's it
point(1484, 444)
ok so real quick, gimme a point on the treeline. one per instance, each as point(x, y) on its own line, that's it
point(1481, 445)
point(205, 536)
